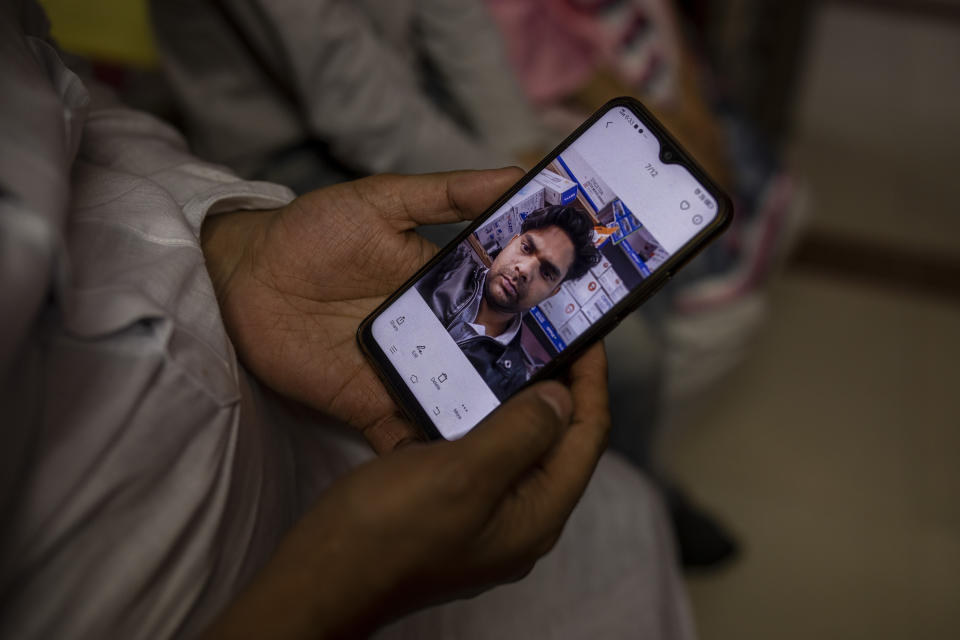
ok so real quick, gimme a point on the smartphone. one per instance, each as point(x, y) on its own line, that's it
point(596, 228)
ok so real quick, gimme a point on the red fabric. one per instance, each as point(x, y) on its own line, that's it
point(554, 47)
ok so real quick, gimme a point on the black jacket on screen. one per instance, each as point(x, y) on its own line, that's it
point(447, 289)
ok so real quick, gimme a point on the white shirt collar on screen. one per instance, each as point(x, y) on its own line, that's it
point(469, 317)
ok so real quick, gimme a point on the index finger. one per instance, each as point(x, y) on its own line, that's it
point(439, 198)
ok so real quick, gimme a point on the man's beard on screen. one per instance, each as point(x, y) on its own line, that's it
point(507, 303)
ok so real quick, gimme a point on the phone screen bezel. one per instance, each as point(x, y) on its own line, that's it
point(395, 384)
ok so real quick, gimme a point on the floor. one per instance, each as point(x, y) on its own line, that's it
point(833, 451)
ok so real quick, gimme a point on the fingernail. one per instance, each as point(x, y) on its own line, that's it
point(558, 398)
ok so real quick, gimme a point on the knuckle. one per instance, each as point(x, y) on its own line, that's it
point(520, 572)
point(547, 542)
point(604, 424)
point(603, 440)
point(537, 545)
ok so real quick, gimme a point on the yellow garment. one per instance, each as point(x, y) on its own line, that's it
point(108, 30)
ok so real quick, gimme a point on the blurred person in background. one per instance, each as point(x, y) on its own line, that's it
point(311, 93)
point(154, 487)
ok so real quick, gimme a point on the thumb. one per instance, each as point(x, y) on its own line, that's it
point(517, 435)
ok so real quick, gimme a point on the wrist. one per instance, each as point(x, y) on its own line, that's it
point(230, 242)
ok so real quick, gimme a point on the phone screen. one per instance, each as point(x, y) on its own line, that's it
point(554, 259)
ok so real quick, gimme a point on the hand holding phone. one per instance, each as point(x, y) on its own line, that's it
point(596, 228)
point(294, 283)
point(426, 524)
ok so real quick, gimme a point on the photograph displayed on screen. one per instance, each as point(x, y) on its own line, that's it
point(550, 262)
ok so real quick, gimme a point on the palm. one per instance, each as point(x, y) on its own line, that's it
point(322, 265)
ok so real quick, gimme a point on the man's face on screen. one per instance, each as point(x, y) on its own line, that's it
point(529, 269)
